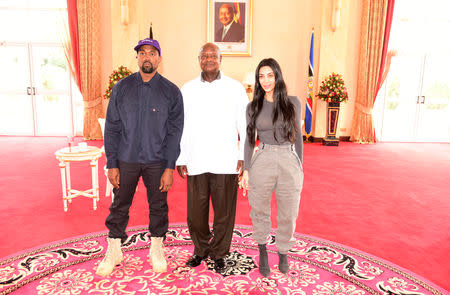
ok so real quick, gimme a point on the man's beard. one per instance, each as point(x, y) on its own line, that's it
point(147, 70)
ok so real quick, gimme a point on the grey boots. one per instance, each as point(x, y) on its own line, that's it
point(283, 265)
point(264, 268)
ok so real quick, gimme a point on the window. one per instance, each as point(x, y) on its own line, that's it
point(39, 97)
point(414, 102)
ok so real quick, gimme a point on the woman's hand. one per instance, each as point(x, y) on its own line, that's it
point(243, 183)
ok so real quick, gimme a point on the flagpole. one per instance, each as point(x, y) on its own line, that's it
point(310, 96)
point(151, 32)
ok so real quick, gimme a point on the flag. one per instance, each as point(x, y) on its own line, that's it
point(309, 99)
point(237, 13)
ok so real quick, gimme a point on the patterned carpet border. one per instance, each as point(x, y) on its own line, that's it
point(316, 267)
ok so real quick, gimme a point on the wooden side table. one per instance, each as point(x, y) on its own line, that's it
point(75, 154)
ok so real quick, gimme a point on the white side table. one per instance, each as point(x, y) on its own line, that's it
point(75, 154)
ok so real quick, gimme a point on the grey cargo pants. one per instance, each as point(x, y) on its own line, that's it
point(275, 167)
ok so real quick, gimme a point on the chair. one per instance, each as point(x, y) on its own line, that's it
point(109, 187)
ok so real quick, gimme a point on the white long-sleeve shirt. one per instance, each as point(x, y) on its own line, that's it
point(214, 115)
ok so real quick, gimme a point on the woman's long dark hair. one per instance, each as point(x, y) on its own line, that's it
point(283, 106)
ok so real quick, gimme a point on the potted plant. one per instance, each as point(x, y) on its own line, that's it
point(333, 91)
point(115, 77)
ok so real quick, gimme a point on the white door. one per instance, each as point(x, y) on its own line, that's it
point(16, 100)
point(35, 98)
point(414, 102)
point(433, 120)
point(37, 93)
point(51, 86)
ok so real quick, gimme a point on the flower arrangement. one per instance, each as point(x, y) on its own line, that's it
point(333, 89)
point(115, 77)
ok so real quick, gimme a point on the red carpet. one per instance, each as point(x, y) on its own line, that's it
point(389, 200)
point(316, 267)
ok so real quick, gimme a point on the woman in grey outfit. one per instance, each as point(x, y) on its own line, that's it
point(276, 165)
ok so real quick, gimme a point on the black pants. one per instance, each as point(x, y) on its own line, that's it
point(222, 188)
point(123, 197)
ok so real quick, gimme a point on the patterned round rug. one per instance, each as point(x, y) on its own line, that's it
point(316, 267)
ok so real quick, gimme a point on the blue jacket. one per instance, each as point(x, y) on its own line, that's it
point(144, 122)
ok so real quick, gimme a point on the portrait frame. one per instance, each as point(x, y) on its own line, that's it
point(237, 41)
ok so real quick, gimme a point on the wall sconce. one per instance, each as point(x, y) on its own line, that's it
point(249, 81)
point(335, 14)
point(124, 16)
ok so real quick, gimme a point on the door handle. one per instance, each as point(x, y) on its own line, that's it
point(421, 99)
point(31, 90)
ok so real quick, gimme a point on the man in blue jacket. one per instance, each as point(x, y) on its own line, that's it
point(144, 123)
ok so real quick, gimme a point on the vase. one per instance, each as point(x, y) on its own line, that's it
point(332, 124)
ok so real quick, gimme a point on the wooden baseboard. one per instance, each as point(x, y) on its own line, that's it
point(320, 139)
point(330, 142)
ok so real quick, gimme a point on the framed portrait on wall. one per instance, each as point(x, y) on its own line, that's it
point(230, 26)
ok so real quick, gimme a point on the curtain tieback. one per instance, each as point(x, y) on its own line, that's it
point(89, 104)
point(364, 109)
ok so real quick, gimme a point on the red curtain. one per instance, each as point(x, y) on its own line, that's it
point(73, 29)
point(387, 31)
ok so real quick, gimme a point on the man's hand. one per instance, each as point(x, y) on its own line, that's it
point(166, 180)
point(114, 177)
point(243, 183)
point(239, 167)
point(182, 170)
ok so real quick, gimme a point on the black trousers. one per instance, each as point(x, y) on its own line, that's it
point(221, 189)
point(130, 173)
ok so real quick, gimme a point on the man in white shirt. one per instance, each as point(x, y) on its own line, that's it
point(211, 157)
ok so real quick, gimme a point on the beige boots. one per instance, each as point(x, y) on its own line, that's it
point(156, 253)
point(113, 257)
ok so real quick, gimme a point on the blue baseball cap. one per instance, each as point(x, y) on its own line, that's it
point(148, 41)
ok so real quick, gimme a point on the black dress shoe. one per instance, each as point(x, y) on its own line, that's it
point(195, 260)
point(219, 265)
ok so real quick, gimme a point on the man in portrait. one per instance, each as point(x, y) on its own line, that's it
point(230, 30)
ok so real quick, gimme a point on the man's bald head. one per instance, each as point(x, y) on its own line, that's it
point(226, 14)
point(209, 47)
